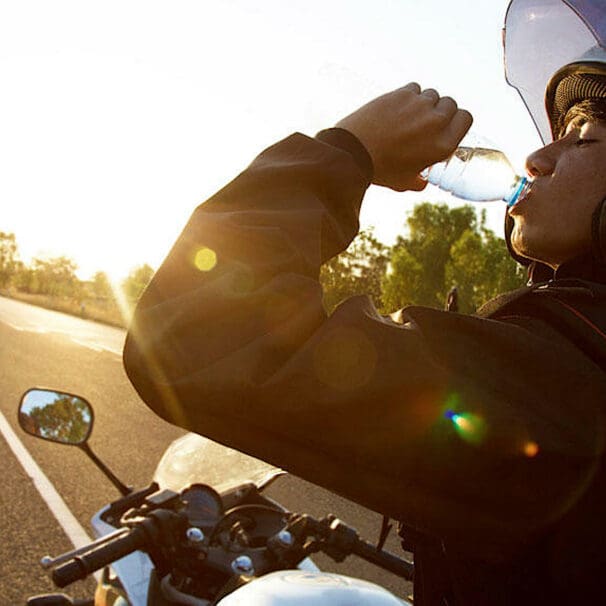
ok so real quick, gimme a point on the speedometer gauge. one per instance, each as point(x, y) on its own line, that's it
point(203, 505)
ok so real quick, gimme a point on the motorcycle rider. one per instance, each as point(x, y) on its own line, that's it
point(485, 433)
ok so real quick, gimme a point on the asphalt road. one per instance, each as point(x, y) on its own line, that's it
point(45, 348)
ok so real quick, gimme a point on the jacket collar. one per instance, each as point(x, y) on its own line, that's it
point(585, 267)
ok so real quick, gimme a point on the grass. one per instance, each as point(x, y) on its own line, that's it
point(105, 311)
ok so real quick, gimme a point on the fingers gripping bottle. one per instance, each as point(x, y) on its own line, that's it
point(478, 173)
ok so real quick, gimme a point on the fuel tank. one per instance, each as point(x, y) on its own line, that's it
point(301, 588)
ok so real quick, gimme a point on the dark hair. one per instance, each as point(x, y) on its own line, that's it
point(589, 110)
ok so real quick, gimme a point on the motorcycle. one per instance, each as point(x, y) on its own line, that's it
point(201, 534)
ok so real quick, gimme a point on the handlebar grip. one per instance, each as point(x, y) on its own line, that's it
point(81, 566)
point(385, 559)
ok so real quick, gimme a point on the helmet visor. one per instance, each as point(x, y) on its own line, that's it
point(540, 37)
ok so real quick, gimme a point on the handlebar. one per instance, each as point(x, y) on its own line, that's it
point(144, 533)
point(81, 566)
point(339, 540)
point(385, 559)
point(165, 528)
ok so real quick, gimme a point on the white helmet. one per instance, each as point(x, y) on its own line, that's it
point(555, 56)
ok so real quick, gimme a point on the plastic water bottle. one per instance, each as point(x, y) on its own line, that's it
point(479, 173)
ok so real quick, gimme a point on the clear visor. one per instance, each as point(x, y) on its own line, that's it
point(540, 37)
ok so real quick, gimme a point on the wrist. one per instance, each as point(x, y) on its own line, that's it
point(347, 141)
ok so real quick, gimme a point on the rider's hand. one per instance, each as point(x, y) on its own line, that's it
point(407, 130)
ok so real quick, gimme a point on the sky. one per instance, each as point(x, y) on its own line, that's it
point(117, 118)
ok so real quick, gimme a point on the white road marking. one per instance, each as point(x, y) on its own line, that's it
point(14, 326)
point(86, 333)
point(76, 534)
point(97, 347)
point(77, 340)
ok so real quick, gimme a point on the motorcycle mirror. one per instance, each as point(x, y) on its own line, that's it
point(56, 416)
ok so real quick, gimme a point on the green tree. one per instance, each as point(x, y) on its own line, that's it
point(8, 258)
point(101, 286)
point(357, 270)
point(503, 273)
point(403, 281)
point(466, 269)
point(26, 280)
point(66, 420)
point(481, 268)
point(418, 261)
point(55, 276)
point(447, 247)
point(137, 280)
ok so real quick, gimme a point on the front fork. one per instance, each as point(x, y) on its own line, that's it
point(109, 591)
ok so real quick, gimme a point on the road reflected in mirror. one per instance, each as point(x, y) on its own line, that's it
point(56, 416)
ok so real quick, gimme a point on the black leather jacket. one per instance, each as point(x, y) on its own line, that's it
point(231, 340)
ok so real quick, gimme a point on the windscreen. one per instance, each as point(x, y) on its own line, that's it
point(540, 37)
point(193, 459)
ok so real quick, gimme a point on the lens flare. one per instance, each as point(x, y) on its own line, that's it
point(469, 427)
point(122, 301)
point(346, 360)
point(205, 259)
point(154, 366)
point(531, 449)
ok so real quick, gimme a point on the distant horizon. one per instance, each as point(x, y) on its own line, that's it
point(83, 278)
point(118, 279)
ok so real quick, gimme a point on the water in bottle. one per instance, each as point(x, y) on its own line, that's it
point(478, 174)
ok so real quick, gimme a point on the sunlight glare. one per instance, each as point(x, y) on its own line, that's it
point(205, 259)
point(531, 449)
point(469, 426)
point(124, 306)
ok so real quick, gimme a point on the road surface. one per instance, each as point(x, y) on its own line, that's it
point(45, 348)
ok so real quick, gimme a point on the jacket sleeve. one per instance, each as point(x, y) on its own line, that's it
point(477, 430)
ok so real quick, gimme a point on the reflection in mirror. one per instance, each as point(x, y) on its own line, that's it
point(56, 416)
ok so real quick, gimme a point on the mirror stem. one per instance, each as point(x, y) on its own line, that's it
point(124, 490)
